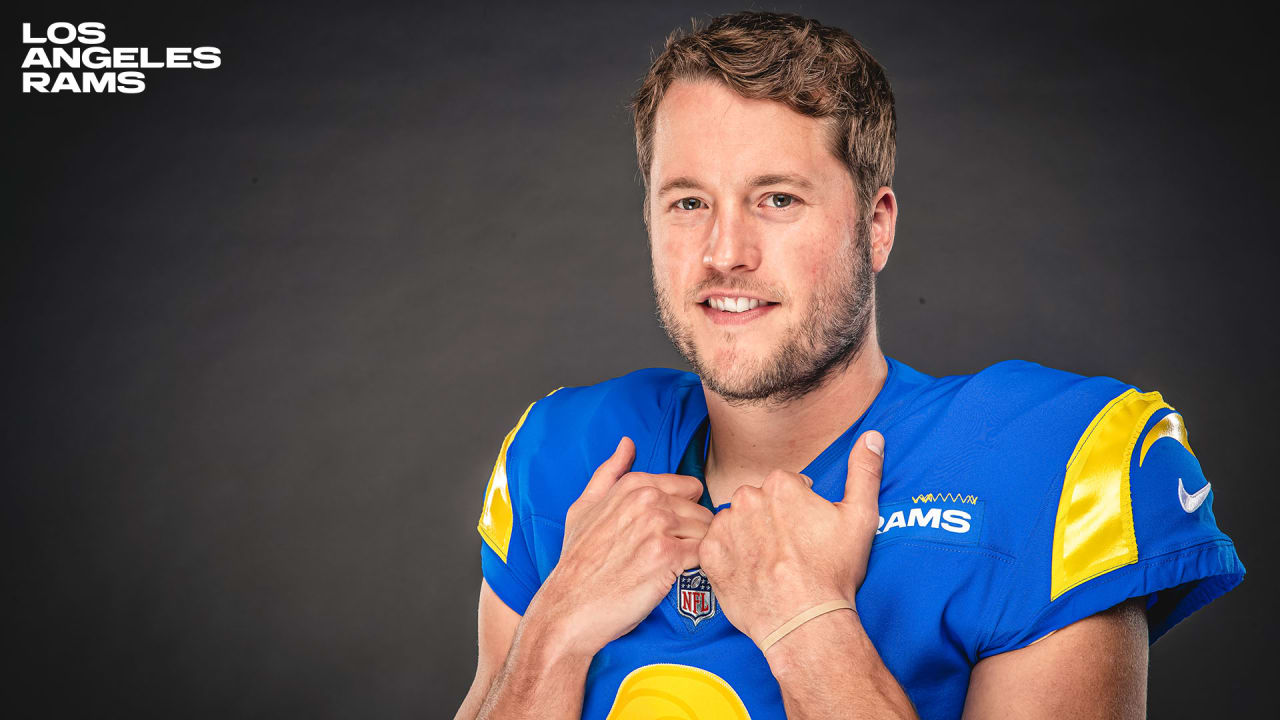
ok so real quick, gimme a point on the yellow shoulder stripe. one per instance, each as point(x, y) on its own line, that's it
point(1093, 533)
point(496, 516)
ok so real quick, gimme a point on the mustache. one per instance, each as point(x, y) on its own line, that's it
point(735, 284)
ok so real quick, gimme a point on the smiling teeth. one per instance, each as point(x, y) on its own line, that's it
point(733, 305)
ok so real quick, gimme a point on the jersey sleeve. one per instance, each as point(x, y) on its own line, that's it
point(1132, 517)
point(506, 553)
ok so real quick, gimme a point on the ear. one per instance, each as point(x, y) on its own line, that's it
point(884, 219)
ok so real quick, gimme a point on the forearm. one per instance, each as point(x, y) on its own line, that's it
point(540, 678)
point(828, 668)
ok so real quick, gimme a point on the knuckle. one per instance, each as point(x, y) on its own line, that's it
point(658, 519)
point(744, 495)
point(691, 484)
point(869, 466)
point(778, 475)
point(779, 481)
point(656, 547)
point(646, 495)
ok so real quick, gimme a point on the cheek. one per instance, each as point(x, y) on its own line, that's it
point(678, 243)
point(674, 261)
point(669, 278)
point(807, 270)
point(814, 273)
point(814, 257)
point(662, 247)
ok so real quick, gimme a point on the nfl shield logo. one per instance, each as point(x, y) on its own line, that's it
point(694, 598)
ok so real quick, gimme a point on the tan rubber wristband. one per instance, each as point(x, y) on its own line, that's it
point(803, 618)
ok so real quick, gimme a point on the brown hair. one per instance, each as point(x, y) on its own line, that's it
point(815, 70)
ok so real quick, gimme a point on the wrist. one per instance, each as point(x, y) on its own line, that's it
point(814, 639)
point(552, 634)
point(542, 675)
point(545, 650)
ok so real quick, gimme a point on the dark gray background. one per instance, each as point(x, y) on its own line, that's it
point(265, 326)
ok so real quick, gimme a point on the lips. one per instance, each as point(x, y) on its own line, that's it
point(726, 317)
point(740, 304)
point(724, 294)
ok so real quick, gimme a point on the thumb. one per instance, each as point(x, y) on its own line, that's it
point(866, 460)
point(617, 465)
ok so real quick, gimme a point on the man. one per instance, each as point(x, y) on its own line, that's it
point(803, 527)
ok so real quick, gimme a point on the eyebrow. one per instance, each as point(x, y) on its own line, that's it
point(799, 181)
point(679, 183)
point(687, 183)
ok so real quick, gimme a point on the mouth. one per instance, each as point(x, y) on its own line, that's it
point(726, 310)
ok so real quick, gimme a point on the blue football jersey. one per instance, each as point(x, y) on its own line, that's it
point(1014, 501)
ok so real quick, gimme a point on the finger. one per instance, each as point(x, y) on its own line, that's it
point(680, 486)
point(866, 460)
point(687, 553)
point(691, 521)
point(693, 528)
point(611, 469)
point(689, 509)
point(782, 481)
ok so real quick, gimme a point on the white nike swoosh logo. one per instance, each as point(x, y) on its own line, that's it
point(1192, 501)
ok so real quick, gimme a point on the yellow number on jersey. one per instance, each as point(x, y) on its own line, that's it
point(678, 692)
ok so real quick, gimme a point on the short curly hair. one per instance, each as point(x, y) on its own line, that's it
point(816, 70)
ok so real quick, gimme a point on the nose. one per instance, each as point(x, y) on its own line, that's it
point(731, 245)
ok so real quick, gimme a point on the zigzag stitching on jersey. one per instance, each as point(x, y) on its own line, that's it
point(945, 497)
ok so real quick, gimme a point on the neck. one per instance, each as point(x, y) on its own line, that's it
point(749, 441)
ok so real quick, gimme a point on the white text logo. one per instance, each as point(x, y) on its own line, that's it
point(61, 48)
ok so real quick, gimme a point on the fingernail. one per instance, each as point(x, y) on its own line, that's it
point(874, 443)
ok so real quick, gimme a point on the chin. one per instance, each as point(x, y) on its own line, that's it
point(731, 368)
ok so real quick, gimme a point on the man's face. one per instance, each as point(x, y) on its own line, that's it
point(749, 210)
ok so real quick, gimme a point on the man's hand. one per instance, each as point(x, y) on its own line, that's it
point(780, 549)
point(627, 538)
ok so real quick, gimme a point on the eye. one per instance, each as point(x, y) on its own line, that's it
point(689, 203)
point(779, 200)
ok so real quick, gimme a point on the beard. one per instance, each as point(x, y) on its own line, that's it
point(823, 343)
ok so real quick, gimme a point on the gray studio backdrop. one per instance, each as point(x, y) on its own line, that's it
point(266, 325)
